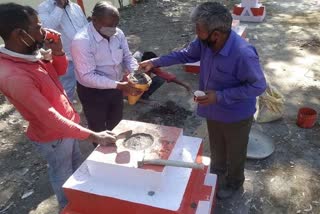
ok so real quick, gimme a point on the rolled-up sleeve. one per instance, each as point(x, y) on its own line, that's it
point(85, 64)
point(60, 63)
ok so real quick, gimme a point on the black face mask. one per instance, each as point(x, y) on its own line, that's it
point(206, 42)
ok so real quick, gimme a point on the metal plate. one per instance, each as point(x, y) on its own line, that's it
point(260, 146)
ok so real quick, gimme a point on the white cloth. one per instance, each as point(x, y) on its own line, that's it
point(67, 21)
point(41, 54)
point(99, 63)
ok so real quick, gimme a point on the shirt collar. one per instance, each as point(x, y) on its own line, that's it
point(53, 2)
point(225, 51)
point(97, 35)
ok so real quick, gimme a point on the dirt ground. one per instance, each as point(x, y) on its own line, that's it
point(288, 42)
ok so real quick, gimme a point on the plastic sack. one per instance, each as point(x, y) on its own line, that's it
point(270, 106)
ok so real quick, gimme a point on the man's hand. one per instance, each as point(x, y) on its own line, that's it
point(56, 47)
point(146, 65)
point(104, 138)
point(62, 3)
point(128, 88)
point(209, 98)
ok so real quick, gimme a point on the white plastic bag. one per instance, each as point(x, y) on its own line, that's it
point(270, 105)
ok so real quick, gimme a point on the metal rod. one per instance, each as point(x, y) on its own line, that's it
point(172, 163)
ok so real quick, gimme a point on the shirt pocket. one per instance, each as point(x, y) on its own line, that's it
point(117, 56)
point(224, 74)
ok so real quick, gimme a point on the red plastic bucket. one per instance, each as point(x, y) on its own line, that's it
point(307, 117)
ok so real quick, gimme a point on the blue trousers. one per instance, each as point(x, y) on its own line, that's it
point(63, 157)
point(68, 81)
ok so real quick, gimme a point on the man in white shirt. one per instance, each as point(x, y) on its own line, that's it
point(101, 54)
point(67, 18)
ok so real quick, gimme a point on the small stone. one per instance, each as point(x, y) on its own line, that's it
point(14, 121)
point(151, 193)
point(27, 194)
point(193, 205)
point(23, 171)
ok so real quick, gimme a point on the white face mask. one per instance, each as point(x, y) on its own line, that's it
point(28, 45)
point(35, 46)
point(108, 31)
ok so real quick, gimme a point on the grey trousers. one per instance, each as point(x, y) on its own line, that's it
point(228, 145)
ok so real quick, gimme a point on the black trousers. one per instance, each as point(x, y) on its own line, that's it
point(228, 145)
point(103, 108)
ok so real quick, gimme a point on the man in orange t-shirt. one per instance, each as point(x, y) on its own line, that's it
point(29, 78)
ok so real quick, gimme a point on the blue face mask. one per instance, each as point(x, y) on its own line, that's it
point(108, 31)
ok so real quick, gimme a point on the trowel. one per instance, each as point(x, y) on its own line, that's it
point(124, 135)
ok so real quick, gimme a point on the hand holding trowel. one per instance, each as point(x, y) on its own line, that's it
point(124, 135)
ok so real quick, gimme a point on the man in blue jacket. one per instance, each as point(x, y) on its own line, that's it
point(231, 77)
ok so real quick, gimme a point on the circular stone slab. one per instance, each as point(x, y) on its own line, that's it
point(260, 145)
